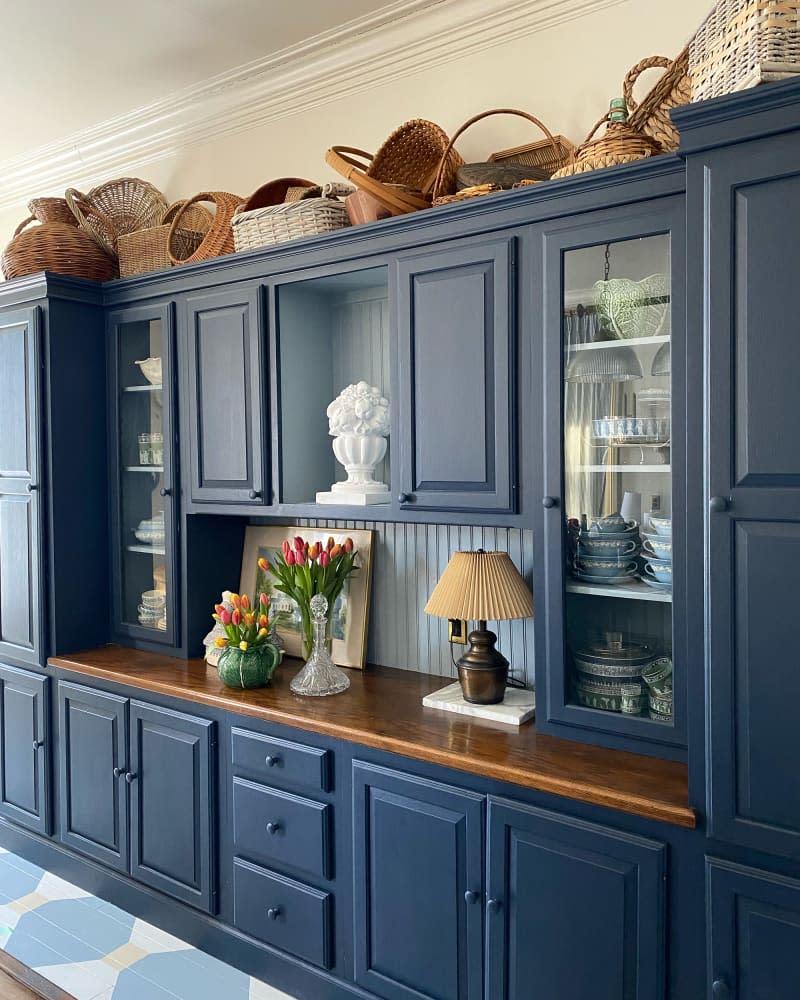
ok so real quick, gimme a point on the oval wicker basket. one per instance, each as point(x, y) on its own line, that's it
point(219, 238)
point(116, 207)
point(51, 210)
point(147, 249)
point(401, 175)
point(60, 247)
point(276, 192)
point(261, 227)
point(619, 144)
point(672, 90)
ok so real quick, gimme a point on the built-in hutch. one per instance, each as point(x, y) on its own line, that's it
point(362, 846)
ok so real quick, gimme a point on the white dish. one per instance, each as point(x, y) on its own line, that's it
point(151, 369)
point(656, 584)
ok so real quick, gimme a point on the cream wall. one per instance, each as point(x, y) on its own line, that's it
point(564, 75)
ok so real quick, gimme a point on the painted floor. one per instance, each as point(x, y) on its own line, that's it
point(95, 951)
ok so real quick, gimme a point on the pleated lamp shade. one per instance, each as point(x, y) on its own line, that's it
point(480, 586)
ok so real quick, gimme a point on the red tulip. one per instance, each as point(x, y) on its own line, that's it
point(236, 618)
point(290, 558)
point(225, 617)
point(263, 565)
point(331, 542)
point(285, 548)
point(300, 557)
point(324, 559)
point(236, 601)
point(348, 544)
point(263, 600)
point(299, 544)
point(219, 608)
point(263, 621)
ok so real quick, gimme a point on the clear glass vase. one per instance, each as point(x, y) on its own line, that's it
point(320, 676)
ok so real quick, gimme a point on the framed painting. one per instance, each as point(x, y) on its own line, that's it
point(351, 610)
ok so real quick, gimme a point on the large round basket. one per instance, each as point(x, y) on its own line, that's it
point(219, 238)
point(58, 247)
point(51, 210)
point(116, 207)
point(619, 144)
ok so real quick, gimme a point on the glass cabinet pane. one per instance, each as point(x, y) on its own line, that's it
point(141, 442)
point(617, 477)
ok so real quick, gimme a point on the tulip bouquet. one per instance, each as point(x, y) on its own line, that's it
point(243, 626)
point(248, 655)
point(303, 569)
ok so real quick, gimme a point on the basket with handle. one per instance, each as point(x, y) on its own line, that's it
point(308, 216)
point(218, 240)
point(116, 207)
point(61, 247)
point(52, 210)
point(672, 90)
point(442, 188)
point(401, 174)
point(619, 144)
point(148, 249)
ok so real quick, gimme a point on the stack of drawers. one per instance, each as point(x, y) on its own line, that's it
point(281, 838)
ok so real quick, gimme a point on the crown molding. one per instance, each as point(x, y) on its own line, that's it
point(400, 39)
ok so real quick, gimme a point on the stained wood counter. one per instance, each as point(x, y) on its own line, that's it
point(383, 709)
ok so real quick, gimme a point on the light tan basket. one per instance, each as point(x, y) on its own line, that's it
point(148, 249)
point(543, 155)
point(218, 240)
point(116, 207)
point(261, 227)
point(619, 144)
point(743, 43)
point(672, 90)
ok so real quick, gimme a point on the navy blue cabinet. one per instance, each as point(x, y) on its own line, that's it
point(573, 909)
point(224, 430)
point(22, 605)
point(418, 850)
point(455, 377)
point(137, 788)
point(24, 748)
point(754, 921)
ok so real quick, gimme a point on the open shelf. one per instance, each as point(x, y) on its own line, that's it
point(625, 468)
point(158, 469)
point(633, 591)
point(142, 388)
point(601, 345)
point(152, 550)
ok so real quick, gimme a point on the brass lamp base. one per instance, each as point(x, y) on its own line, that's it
point(482, 671)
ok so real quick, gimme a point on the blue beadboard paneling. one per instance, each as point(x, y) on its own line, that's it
point(408, 559)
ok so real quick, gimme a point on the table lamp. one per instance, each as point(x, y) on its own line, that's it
point(477, 586)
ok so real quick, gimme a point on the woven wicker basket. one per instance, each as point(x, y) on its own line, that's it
point(218, 240)
point(116, 207)
point(542, 155)
point(619, 144)
point(148, 249)
point(292, 220)
point(56, 246)
point(672, 90)
point(742, 43)
point(51, 210)
point(401, 175)
point(276, 192)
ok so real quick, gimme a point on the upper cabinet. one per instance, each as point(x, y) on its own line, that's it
point(455, 377)
point(225, 440)
point(609, 577)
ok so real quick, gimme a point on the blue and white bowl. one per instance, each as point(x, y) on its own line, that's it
point(659, 569)
point(597, 566)
point(606, 546)
point(661, 525)
point(657, 546)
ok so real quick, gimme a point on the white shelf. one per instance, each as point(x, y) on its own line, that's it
point(633, 591)
point(625, 468)
point(144, 468)
point(152, 550)
point(145, 388)
point(602, 345)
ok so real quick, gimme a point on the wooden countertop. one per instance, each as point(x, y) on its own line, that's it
point(383, 709)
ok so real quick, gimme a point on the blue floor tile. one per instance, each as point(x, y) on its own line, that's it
point(34, 932)
point(88, 921)
point(199, 977)
point(16, 881)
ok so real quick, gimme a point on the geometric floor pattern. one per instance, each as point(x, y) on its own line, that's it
point(95, 951)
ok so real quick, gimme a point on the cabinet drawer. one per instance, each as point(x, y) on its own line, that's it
point(280, 828)
point(282, 913)
point(280, 761)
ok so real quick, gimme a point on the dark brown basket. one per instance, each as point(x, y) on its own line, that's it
point(51, 210)
point(59, 247)
point(276, 193)
point(219, 238)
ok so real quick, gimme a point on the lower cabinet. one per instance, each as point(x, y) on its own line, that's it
point(567, 909)
point(754, 917)
point(24, 784)
point(137, 789)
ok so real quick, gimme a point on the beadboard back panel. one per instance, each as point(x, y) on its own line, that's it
point(408, 559)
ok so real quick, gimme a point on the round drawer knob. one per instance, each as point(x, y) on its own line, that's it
point(719, 990)
point(254, 494)
point(130, 777)
point(273, 827)
point(494, 905)
point(32, 487)
point(38, 744)
point(274, 912)
point(472, 897)
point(549, 502)
point(272, 761)
point(405, 497)
point(718, 505)
point(118, 772)
point(165, 491)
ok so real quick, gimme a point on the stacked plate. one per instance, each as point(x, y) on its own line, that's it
point(657, 677)
point(657, 554)
point(153, 610)
point(606, 553)
point(150, 531)
point(608, 674)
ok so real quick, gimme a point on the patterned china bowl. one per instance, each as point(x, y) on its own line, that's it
point(658, 546)
point(605, 546)
point(661, 525)
point(605, 567)
point(659, 569)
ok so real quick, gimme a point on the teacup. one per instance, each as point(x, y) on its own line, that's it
point(659, 546)
point(659, 570)
point(596, 545)
point(661, 525)
point(612, 523)
point(605, 567)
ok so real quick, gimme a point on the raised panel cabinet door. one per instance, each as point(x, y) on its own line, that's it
point(418, 849)
point(456, 377)
point(574, 909)
point(92, 764)
point(226, 400)
point(22, 605)
point(754, 933)
point(171, 783)
point(752, 218)
point(24, 749)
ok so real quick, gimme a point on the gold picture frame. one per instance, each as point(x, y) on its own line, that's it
point(351, 614)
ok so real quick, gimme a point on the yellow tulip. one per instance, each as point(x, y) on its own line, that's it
point(242, 644)
point(220, 642)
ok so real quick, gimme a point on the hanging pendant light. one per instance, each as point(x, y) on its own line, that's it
point(662, 362)
point(607, 364)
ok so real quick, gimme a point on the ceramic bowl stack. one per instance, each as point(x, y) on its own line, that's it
point(153, 610)
point(150, 531)
point(608, 674)
point(657, 677)
point(606, 552)
point(657, 553)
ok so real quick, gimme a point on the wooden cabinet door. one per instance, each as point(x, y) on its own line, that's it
point(754, 938)
point(226, 399)
point(171, 782)
point(24, 749)
point(752, 220)
point(22, 604)
point(93, 761)
point(456, 377)
point(573, 909)
point(417, 852)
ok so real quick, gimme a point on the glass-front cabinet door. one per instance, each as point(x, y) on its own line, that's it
point(613, 511)
point(143, 521)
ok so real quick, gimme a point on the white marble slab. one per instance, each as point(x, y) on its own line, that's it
point(517, 706)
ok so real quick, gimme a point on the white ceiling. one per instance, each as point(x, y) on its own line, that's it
point(67, 66)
